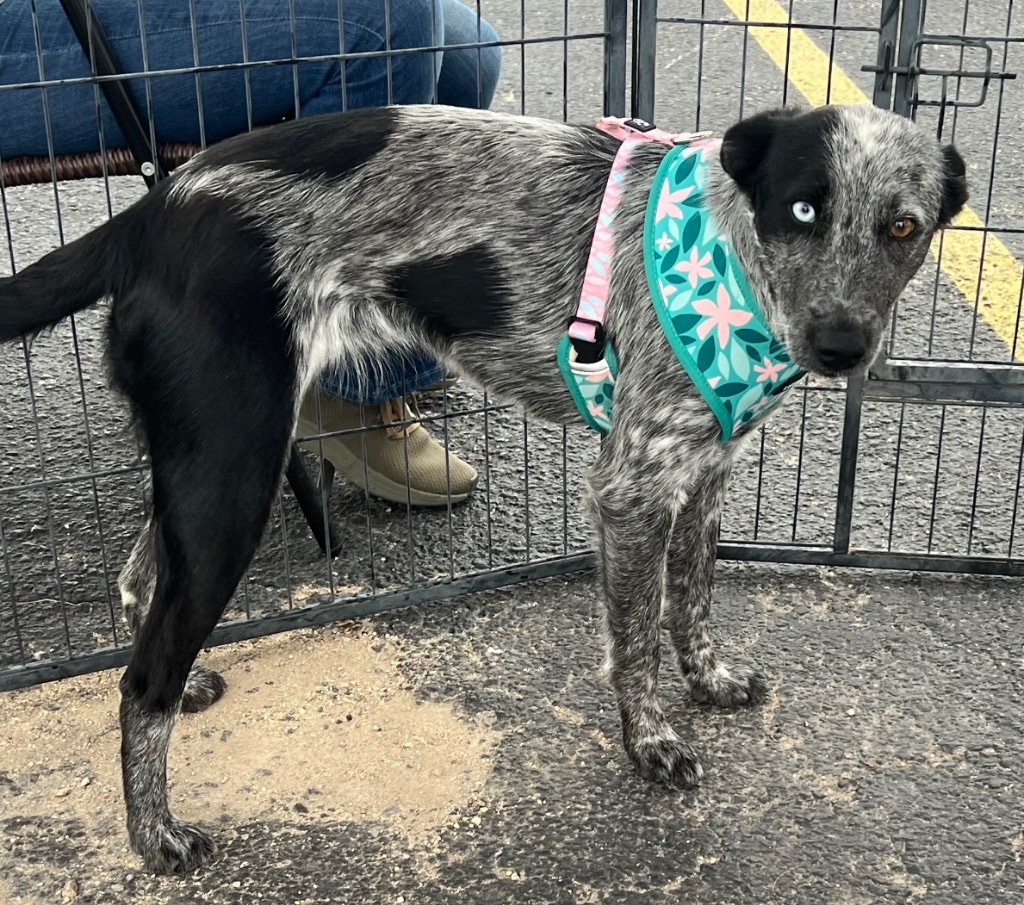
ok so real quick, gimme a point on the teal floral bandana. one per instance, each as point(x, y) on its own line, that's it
point(703, 300)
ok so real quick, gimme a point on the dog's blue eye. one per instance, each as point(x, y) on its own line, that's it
point(804, 212)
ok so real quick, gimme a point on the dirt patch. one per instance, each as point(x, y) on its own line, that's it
point(319, 723)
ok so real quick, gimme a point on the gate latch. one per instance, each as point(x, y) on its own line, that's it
point(915, 70)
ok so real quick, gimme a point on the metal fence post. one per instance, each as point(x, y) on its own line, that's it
point(615, 22)
point(888, 33)
point(645, 46)
point(910, 30)
point(848, 465)
point(882, 97)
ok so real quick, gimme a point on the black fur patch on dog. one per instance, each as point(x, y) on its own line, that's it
point(323, 146)
point(457, 295)
point(779, 159)
point(954, 195)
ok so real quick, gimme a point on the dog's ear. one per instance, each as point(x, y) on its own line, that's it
point(954, 185)
point(745, 145)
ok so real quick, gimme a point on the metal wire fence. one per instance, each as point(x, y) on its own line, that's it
point(918, 467)
point(927, 471)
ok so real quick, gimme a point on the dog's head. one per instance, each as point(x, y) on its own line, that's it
point(844, 202)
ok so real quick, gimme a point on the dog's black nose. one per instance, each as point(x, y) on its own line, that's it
point(839, 346)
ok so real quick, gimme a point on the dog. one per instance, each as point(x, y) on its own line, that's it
point(319, 242)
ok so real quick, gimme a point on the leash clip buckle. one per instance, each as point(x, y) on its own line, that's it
point(635, 124)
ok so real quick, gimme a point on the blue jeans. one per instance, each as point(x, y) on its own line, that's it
point(222, 106)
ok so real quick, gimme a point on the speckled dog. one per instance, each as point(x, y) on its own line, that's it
point(319, 242)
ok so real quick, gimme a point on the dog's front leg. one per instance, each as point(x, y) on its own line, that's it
point(632, 512)
point(689, 585)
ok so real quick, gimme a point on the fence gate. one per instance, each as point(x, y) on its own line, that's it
point(917, 466)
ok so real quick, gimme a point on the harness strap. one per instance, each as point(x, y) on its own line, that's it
point(587, 327)
point(587, 361)
point(704, 304)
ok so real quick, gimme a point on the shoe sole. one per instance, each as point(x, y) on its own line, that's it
point(373, 482)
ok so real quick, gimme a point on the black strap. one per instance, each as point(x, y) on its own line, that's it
point(94, 42)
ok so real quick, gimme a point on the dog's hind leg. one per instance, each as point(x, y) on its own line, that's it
point(211, 505)
point(632, 511)
point(215, 394)
point(137, 580)
point(137, 583)
point(689, 585)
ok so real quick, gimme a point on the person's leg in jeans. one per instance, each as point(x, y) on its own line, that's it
point(463, 78)
point(79, 120)
point(405, 464)
point(73, 119)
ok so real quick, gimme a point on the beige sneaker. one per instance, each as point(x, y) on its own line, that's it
point(426, 483)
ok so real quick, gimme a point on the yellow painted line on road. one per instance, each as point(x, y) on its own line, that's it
point(983, 269)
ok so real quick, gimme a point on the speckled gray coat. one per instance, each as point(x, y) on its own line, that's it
point(320, 242)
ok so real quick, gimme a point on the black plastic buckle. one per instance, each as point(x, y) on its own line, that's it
point(640, 125)
point(587, 351)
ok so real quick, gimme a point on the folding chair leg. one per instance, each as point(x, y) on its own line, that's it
point(310, 499)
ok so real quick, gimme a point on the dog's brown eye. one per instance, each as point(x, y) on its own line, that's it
point(901, 227)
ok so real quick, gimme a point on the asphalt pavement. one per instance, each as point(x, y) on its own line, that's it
point(913, 790)
point(884, 767)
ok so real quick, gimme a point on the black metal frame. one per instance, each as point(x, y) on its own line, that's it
point(331, 610)
point(90, 35)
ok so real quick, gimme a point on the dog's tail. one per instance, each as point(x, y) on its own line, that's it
point(68, 279)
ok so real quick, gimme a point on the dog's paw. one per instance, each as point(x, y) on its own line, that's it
point(173, 847)
point(666, 759)
point(202, 688)
point(740, 686)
